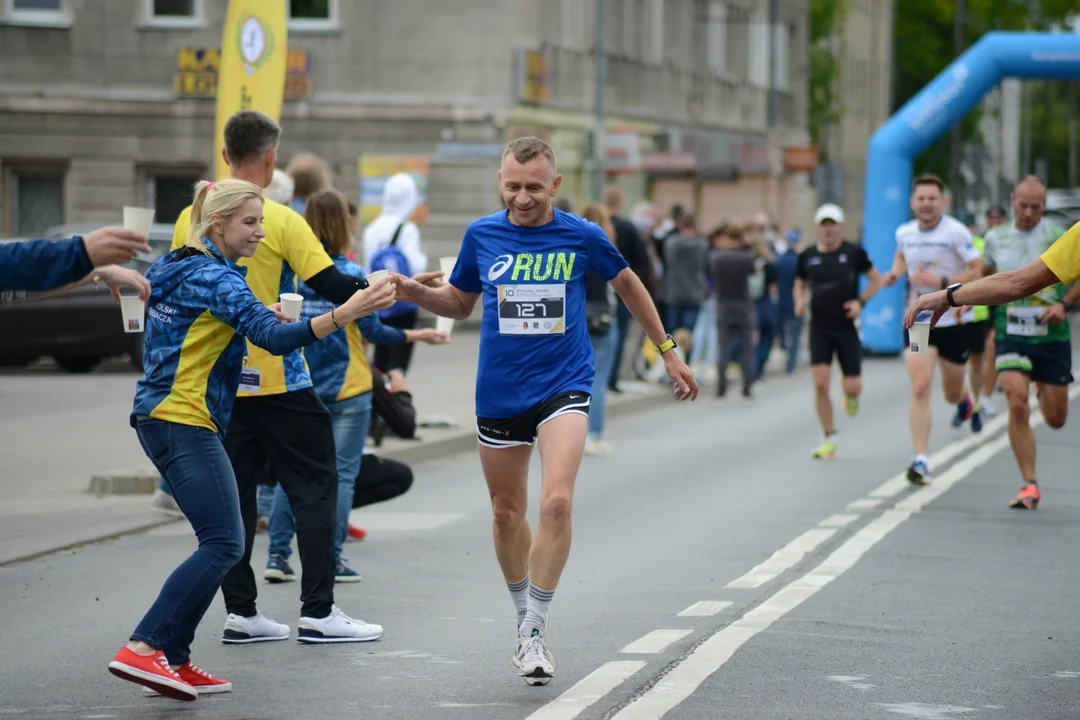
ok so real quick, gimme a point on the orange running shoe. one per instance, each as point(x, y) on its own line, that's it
point(1028, 498)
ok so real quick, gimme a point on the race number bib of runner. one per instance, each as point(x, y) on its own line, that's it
point(532, 309)
point(1024, 321)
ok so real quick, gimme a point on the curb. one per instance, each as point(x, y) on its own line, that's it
point(139, 482)
point(145, 527)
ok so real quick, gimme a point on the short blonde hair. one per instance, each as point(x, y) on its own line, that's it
point(529, 148)
point(222, 198)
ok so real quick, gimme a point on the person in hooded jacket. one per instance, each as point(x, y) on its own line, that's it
point(392, 242)
point(200, 312)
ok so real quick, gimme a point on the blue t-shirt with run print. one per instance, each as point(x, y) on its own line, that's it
point(534, 336)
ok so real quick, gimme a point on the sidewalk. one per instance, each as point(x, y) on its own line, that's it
point(60, 430)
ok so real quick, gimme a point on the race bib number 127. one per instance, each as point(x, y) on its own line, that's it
point(532, 309)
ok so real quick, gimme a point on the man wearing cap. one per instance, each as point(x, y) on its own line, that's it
point(829, 272)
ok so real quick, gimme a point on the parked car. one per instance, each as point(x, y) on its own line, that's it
point(79, 328)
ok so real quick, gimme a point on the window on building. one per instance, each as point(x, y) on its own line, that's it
point(758, 70)
point(782, 56)
point(716, 37)
point(170, 194)
point(179, 13)
point(36, 12)
point(313, 14)
point(39, 202)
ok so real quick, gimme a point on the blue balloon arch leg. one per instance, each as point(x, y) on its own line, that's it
point(935, 109)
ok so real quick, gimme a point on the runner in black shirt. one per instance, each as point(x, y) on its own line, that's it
point(830, 271)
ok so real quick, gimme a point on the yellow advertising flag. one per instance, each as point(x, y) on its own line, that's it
point(251, 72)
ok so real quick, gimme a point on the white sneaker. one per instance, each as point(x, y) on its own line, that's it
point(240, 630)
point(165, 504)
point(989, 409)
point(534, 660)
point(337, 627)
point(598, 447)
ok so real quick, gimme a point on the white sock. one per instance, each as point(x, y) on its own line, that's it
point(519, 591)
point(535, 617)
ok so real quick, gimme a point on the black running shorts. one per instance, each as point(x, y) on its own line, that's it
point(522, 429)
point(842, 342)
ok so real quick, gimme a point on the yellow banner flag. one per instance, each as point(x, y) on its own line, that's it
point(251, 74)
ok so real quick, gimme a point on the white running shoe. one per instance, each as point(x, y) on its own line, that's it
point(337, 627)
point(240, 630)
point(534, 660)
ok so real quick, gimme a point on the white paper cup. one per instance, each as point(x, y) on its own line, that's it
point(919, 333)
point(133, 308)
point(446, 325)
point(138, 219)
point(291, 304)
point(446, 264)
point(375, 275)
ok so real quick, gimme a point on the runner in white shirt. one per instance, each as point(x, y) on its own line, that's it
point(935, 252)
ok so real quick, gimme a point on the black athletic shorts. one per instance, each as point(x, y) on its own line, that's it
point(953, 343)
point(522, 429)
point(1047, 363)
point(843, 342)
point(979, 331)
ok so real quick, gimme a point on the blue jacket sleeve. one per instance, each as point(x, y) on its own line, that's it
point(233, 303)
point(43, 264)
point(372, 328)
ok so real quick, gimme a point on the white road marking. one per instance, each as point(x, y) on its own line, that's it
point(925, 711)
point(655, 642)
point(707, 658)
point(783, 559)
point(866, 503)
point(705, 608)
point(853, 681)
point(588, 690)
point(838, 521)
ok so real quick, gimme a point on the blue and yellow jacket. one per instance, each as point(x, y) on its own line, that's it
point(200, 310)
point(41, 265)
point(339, 366)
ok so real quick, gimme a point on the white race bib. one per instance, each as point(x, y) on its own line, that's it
point(1024, 321)
point(249, 380)
point(532, 309)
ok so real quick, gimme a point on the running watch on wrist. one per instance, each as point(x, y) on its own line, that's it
point(949, 294)
point(666, 345)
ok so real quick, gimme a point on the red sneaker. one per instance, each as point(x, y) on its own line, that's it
point(151, 671)
point(357, 533)
point(1028, 498)
point(203, 682)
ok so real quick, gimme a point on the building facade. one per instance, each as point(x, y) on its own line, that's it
point(104, 104)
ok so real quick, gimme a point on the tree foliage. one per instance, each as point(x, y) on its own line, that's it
point(923, 43)
point(826, 19)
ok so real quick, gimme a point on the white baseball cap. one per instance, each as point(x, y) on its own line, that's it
point(828, 211)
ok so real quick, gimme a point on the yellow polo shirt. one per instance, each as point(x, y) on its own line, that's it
point(289, 249)
point(1063, 257)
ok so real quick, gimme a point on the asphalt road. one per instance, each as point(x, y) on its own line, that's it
point(883, 602)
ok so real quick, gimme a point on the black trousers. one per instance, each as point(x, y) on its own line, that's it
point(389, 357)
point(381, 479)
point(291, 432)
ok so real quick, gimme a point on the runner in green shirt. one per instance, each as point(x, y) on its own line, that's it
point(1032, 334)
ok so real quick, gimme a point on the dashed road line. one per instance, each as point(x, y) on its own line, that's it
point(783, 559)
point(655, 642)
point(588, 690)
point(705, 608)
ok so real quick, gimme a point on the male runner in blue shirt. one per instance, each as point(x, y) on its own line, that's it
point(535, 372)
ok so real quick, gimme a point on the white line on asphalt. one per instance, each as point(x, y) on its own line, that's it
point(655, 642)
point(838, 521)
point(708, 657)
point(864, 504)
point(588, 690)
point(705, 608)
point(783, 559)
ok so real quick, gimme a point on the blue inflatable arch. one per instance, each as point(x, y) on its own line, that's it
point(915, 126)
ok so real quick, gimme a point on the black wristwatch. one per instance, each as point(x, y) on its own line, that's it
point(944, 281)
point(949, 294)
point(1068, 306)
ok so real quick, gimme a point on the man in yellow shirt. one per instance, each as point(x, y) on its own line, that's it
point(278, 420)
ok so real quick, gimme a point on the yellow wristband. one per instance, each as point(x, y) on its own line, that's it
point(666, 345)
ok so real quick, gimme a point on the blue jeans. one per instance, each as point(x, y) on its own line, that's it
point(197, 472)
point(767, 330)
point(350, 418)
point(603, 357)
point(623, 318)
point(792, 327)
point(706, 341)
point(682, 316)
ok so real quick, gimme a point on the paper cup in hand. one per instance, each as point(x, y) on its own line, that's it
point(138, 219)
point(290, 305)
point(133, 308)
point(372, 277)
point(919, 332)
point(446, 264)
